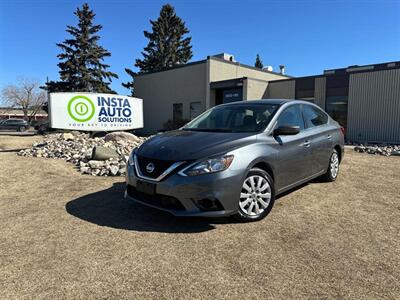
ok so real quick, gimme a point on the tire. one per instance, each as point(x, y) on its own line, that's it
point(333, 168)
point(42, 128)
point(21, 128)
point(255, 200)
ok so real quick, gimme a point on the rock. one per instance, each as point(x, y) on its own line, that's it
point(359, 148)
point(68, 136)
point(77, 148)
point(120, 135)
point(95, 164)
point(114, 170)
point(395, 153)
point(103, 153)
point(85, 170)
point(104, 172)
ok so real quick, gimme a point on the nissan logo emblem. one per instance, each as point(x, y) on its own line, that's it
point(150, 167)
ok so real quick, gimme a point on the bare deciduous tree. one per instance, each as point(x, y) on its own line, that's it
point(25, 95)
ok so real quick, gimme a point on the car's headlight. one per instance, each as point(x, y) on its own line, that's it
point(131, 160)
point(210, 165)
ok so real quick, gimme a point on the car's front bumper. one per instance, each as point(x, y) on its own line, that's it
point(222, 189)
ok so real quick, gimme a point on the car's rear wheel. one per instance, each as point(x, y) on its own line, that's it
point(333, 168)
point(21, 128)
point(257, 196)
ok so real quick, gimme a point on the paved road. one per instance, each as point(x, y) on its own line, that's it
point(17, 133)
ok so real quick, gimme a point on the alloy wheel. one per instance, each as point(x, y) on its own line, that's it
point(334, 165)
point(255, 196)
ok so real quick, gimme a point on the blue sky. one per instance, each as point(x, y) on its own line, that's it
point(307, 36)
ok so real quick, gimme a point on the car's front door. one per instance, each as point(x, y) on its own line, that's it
point(294, 161)
point(12, 124)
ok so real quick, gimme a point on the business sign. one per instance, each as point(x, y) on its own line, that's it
point(95, 112)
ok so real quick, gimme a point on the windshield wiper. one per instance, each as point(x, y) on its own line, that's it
point(209, 129)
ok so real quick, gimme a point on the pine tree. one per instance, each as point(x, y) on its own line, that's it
point(81, 67)
point(258, 63)
point(168, 45)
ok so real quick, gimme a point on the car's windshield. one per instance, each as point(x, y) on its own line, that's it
point(252, 117)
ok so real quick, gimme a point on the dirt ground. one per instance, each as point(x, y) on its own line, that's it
point(66, 235)
point(16, 142)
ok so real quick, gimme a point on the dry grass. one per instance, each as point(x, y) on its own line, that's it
point(66, 235)
point(11, 142)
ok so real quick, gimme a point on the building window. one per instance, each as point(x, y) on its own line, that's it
point(195, 109)
point(177, 114)
point(337, 94)
point(336, 107)
point(232, 95)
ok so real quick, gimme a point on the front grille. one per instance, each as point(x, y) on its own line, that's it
point(159, 166)
point(159, 200)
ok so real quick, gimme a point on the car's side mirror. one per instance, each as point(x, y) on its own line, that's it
point(286, 130)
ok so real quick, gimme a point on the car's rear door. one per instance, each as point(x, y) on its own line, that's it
point(319, 135)
point(294, 161)
point(13, 124)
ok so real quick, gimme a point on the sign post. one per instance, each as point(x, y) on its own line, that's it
point(95, 112)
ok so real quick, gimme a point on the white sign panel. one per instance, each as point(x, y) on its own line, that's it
point(95, 112)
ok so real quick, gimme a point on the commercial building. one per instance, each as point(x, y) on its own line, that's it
point(14, 113)
point(185, 91)
point(363, 99)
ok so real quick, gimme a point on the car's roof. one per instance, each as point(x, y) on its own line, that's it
point(263, 101)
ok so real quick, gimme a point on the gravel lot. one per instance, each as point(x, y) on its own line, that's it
point(66, 235)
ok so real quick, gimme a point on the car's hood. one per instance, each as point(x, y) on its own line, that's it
point(181, 145)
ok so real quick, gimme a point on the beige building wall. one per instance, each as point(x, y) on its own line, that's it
point(224, 70)
point(281, 89)
point(220, 69)
point(191, 83)
point(374, 107)
point(254, 89)
point(161, 90)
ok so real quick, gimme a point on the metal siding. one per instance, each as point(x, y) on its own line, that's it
point(281, 89)
point(374, 107)
point(320, 91)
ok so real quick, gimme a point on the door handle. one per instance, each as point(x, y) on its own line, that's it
point(329, 137)
point(306, 144)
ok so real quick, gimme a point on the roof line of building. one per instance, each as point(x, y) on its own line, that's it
point(217, 59)
point(395, 67)
point(247, 66)
point(173, 68)
point(396, 62)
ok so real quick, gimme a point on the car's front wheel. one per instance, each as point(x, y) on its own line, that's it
point(257, 196)
point(333, 168)
point(21, 128)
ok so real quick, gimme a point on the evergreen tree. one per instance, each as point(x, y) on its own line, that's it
point(168, 45)
point(81, 67)
point(258, 63)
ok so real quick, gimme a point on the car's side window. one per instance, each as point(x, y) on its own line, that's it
point(291, 116)
point(313, 116)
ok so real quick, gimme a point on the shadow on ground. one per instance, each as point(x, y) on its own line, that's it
point(109, 208)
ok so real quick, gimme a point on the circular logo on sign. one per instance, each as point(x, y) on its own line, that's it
point(81, 108)
point(150, 168)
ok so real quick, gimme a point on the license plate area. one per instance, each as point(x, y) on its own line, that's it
point(145, 187)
